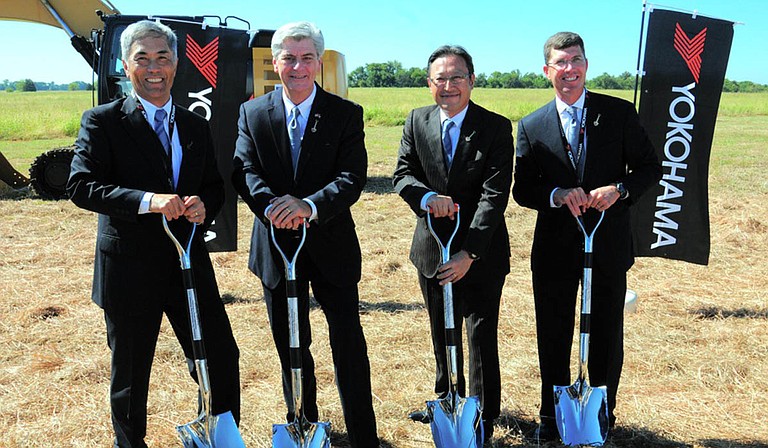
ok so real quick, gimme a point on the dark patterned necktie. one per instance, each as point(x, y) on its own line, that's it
point(447, 143)
point(159, 127)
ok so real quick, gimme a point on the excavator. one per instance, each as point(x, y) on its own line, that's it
point(222, 63)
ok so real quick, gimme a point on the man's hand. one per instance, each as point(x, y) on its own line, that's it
point(288, 212)
point(170, 205)
point(455, 269)
point(603, 198)
point(441, 206)
point(195, 209)
point(574, 198)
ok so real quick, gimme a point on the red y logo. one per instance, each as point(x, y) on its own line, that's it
point(204, 58)
point(690, 49)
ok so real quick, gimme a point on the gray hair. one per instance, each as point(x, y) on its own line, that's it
point(147, 28)
point(560, 41)
point(298, 31)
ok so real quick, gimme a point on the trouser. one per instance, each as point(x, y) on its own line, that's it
point(476, 303)
point(555, 302)
point(132, 340)
point(348, 347)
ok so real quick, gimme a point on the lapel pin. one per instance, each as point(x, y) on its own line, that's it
point(469, 137)
point(597, 120)
point(317, 120)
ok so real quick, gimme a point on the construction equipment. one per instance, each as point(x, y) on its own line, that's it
point(456, 422)
point(222, 63)
point(581, 411)
point(207, 430)
point(300, 433)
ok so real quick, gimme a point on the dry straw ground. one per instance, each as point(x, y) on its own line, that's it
point(696, 349)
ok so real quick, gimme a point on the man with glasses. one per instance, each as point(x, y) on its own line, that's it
point(582, 150)
point(456, 152)
point(301, 155)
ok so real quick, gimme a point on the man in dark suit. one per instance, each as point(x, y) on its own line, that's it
point(301, 155)
point(582, 150)
point(122, 171)
point(469, 164)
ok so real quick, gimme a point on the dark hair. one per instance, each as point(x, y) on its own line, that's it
point(561, 40)
point(455, 50)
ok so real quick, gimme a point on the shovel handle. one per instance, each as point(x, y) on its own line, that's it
point(293, 318)
point(445, 249)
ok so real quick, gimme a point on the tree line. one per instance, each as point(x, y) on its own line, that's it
point(27, 85)
point(392, 74)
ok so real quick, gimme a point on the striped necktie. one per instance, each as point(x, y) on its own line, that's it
point(447, 143)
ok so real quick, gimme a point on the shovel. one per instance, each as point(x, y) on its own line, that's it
point(300, 433)
point(581, 411)
point(207, 430)
point(456, 422)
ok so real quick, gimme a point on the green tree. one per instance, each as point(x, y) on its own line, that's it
point(26, 85)
point(73, 86)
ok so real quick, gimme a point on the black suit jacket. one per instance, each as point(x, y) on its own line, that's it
point(332, 173)
point(479, 180)
point(617, 150)
point(119, 158)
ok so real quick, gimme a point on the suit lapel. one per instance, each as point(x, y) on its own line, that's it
point(146, 141)
point(277, 124)
point(433, 130)
point(469, 129)
point(189, 151)
point(551, 131)
point(308, 142)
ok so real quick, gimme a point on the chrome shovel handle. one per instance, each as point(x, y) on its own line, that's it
point(585, 320)
point(198, 346)
point(452, 339)
point(293, 317)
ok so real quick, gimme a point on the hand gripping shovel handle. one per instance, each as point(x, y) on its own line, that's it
point(586, 295)
point(452, 339)
point(293, 315)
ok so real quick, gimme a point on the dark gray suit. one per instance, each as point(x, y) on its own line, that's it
point(617, 150)
point(137, 276)
point(479, 181)
point(331, 172)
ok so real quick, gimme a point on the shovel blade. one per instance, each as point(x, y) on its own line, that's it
point(221, 432)
point(306, 435)
point(456, 422)
point(581, 414)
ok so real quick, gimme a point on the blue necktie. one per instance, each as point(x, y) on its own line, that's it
point(159, 127)
point(572, 133)
point(294, 133)
point(447, 143)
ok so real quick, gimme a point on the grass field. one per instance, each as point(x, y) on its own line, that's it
point(696, 349)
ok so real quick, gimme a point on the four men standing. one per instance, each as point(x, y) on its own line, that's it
point(301, 160)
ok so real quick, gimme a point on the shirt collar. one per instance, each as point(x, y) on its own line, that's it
point(562, 106)
point(305, 107)
point(457, 119)
point(151, 109)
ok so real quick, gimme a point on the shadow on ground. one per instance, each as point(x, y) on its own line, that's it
point(379, 185)
point(519, 430)
point(715, 312)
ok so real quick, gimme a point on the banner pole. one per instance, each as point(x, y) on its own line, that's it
point(639, 52)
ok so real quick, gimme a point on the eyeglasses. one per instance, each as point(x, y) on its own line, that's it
point(577, 61)
point(455, 80)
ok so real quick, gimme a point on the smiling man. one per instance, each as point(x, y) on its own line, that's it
point(582, 150)
point(456, 152)
point(301, 155)
point(136, 158)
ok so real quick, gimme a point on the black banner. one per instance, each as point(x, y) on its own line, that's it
point(211, 80)
point(684, 69)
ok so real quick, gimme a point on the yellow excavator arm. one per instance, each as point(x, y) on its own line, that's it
point(75, 17)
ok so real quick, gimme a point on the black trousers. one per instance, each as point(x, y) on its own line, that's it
point(476, 303)
point(350, 353)
point(556, 305)
point(132, 339)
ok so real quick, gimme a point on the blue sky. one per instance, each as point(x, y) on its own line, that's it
point(501, 35)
